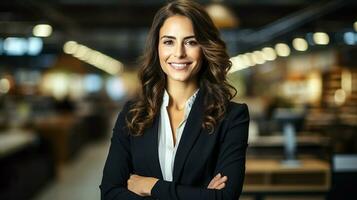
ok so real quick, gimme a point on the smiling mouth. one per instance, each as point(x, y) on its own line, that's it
point(179, 66)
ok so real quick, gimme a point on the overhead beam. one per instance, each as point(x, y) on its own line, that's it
point(290, 23)
point(53, 15)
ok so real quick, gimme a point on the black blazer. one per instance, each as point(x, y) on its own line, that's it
point(199, 157)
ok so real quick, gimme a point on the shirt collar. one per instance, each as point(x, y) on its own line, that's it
point(166, 99)
point(188, 104)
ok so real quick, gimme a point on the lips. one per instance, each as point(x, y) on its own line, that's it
point(179, 65)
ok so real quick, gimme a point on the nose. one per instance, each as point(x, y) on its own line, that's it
point(180, 51)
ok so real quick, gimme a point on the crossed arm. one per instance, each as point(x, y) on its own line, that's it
point(142, 185)
point(231, 163)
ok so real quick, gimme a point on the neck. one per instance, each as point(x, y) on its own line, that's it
point(179, 93)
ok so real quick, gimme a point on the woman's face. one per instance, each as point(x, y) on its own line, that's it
point(179, 52)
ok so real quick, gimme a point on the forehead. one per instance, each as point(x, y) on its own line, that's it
point(177, 26)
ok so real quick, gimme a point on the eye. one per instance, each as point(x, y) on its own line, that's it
point(191, 43)
point(168, 42)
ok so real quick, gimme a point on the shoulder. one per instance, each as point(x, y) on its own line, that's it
point(123, 113)
point(234, 127)
point(125, 117)
point(237, 112)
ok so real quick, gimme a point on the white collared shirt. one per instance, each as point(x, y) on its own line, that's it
point(167, 149)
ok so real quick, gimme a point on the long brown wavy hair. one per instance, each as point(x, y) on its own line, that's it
point(211, 77)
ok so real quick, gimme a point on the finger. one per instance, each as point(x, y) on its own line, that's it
point(215, 184)
point(221, 186)
point(219, 181)
point(133, 176)
point(222, 180)
point(217, 177)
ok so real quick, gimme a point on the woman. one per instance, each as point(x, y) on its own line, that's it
point(182, 138)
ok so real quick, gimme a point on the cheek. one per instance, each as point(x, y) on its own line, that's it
point(195, 54)
point(198, 56)
point(164, 53)
point(160, 52)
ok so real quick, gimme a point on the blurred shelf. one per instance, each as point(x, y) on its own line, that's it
point(58, 131)
point(278, 140)
point(12, 141)
point(270, 175)
point(25, 164)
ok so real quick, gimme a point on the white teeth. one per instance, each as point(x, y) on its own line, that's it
point(179, 65)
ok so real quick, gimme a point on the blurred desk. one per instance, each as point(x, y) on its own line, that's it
point(278, 140)
point(273, 146)
point(12, 141)
point(58, 131)
point(25, 166)
point(269, 177)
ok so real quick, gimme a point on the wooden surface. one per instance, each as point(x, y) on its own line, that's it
point(278, 140)
point(270, 165)
point(14, 140)
point(271, 175)
point(57, 130)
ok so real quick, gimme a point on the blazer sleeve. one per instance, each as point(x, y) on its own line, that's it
point(118, 166)
point(230, 163)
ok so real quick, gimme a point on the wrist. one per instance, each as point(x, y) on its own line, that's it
point(151, 183)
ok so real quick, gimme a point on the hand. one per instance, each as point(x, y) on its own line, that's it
point(141, 185)
point(218, 182)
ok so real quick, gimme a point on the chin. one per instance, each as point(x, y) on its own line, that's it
point(180, 79)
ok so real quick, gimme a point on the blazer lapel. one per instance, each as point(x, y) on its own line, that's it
point(152, 134)
point(190, 134)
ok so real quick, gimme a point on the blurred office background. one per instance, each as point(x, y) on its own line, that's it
point(67, 67)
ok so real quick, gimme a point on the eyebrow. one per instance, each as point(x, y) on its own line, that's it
point(172, 37)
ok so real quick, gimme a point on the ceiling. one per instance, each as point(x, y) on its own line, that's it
point(119, 27)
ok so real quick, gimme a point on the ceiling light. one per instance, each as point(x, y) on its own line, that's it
point(349, 38)
point(93, 57)
point(81, 52)
point(222, 16)
point(269, 53)
point(321, 38)
point(249, 59)
point(258, 57)
point(237, 64)
point(246, 60)
point(300, 44)
point(282, 49)
point(42, 30)
point(70, 47)
point(4, 85)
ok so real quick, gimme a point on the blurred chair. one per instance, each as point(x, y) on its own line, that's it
point(26, 165)
point(291, 121)
point(344, 177)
